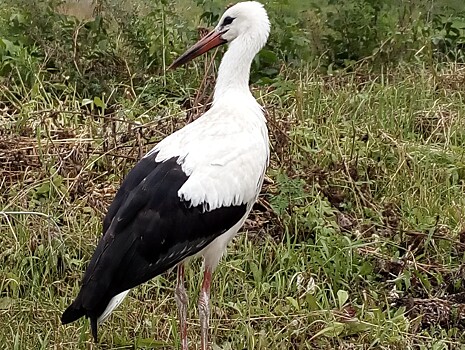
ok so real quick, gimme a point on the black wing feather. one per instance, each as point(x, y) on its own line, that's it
point(147, 230)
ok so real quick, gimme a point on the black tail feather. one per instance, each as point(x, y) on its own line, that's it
point(93, 327)
point(72, 313)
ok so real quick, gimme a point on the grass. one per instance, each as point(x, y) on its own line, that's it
point(358, 238)
point(356, 242)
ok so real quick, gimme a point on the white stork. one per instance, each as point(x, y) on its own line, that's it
point(192, 192)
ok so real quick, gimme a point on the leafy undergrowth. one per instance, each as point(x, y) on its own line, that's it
point(357, 241)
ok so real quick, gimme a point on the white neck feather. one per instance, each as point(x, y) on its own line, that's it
point(234, 71)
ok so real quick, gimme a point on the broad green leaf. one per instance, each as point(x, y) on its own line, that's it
point(98, 102)
point(342, 297)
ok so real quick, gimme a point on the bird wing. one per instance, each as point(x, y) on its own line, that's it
point(148, 229)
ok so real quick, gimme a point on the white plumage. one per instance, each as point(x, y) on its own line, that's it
point(228, 145)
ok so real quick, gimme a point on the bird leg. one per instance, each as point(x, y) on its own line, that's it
point(204, 307)
point(181, 302)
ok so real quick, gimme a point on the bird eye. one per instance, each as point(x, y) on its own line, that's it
point(227, 20)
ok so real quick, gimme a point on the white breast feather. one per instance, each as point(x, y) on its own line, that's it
point(225, 153)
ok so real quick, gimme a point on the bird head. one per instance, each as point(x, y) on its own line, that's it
point(246, 21)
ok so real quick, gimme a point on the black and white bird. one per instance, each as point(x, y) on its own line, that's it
point(192, 192)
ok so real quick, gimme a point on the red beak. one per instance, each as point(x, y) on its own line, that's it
point(208, 42)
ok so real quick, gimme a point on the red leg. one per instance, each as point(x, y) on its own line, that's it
point(181, 302)
point(204, 307)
